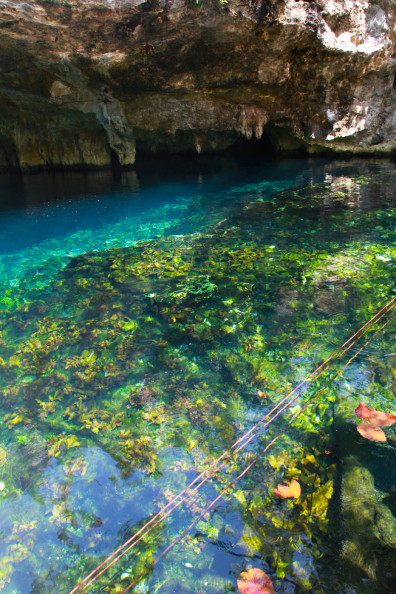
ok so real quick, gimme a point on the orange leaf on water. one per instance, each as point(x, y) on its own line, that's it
point(255, 581)
point(293, 490)
point(371, 431)
point(376, 417)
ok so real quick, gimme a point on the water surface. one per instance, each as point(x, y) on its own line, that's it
point(149, 322)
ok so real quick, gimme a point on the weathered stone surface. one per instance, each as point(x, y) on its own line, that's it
point(368, 525)
point(83, 80)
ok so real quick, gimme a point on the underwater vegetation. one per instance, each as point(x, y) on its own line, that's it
point(376, 419)
point(285, 492)
point(140, 365)
point(255, 581)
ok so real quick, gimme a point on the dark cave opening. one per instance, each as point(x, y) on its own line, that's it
point(161, 160)
point(115, 160)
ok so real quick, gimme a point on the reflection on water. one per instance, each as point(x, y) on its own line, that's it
point(146, 326)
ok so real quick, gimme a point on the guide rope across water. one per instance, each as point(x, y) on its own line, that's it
point(219, 463)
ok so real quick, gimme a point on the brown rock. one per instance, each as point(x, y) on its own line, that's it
point(82, 81)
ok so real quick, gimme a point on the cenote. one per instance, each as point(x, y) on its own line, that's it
point(148, 322)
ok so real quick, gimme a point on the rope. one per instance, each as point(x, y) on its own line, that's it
point(248, 436)
point(232, 484)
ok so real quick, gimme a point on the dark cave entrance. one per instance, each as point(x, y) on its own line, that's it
point(114, 160)
point(164, 157)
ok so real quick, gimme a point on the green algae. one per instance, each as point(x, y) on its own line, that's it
point(179, 344)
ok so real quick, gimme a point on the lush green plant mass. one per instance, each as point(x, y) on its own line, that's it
point(151, 360)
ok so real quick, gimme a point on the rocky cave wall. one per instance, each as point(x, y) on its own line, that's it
point(82, 82)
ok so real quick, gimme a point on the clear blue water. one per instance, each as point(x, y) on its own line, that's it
point(305, 251)
point(48, 218)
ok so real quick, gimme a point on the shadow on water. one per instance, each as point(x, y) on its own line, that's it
point(363, 511)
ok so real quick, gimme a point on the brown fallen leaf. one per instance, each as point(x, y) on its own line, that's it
point(284, 491)
point(255, 581)
point(371, 431)
point(377, 417)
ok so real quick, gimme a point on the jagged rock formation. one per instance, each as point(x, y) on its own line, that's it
point(87, 81)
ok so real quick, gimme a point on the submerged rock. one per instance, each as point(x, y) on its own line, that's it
point(368, 525)
point(88, 83)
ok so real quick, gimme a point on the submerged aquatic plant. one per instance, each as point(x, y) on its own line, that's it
point(376, 417)
point(58, 444)
point(255, 581)
point(291, 491)
point(163, 353)
point(371, 431)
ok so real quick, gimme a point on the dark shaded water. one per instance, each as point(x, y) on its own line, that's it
point(204, 297)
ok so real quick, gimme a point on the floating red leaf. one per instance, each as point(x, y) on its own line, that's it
point(371, 431)
point(284, 491)
point(376, 417)
point(255, 581)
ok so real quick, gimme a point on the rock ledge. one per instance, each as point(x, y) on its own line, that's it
point(88, 83)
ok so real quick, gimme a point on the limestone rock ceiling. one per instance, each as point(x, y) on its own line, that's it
point(82, 81)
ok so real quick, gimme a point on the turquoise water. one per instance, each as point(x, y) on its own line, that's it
point(59, 216)
point(48, 218)
point(147, 323)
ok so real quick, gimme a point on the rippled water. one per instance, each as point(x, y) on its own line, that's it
point(147, 324)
